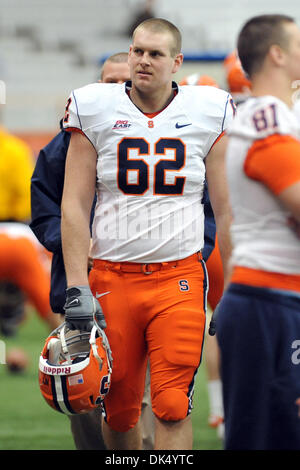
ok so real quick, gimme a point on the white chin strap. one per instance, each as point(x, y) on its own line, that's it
point(64, 345)
point(105, 343)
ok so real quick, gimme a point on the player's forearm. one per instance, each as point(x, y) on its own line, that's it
point(75, 243)
point(77, 200)
point(223, 222)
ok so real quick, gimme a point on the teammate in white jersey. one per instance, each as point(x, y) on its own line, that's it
point(258, 323)
point(148, 145)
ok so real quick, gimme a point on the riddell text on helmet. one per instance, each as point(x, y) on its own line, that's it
point(56, 370)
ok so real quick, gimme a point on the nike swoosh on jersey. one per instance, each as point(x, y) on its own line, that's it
point(178, 126)
point(101, 295)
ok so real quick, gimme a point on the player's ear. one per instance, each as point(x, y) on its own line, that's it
point(177, 62)
point(130, 54)
point(277, 54)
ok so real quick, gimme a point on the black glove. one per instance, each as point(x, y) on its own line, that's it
point(80, 309)
point(213, 322)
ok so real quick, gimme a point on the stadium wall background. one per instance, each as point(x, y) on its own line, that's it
point(49, 48)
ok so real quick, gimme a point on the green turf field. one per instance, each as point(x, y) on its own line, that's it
point(28, 423)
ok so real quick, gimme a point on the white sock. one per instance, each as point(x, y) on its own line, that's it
point(215, 397)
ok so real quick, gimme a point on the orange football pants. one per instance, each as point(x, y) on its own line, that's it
point(216, 278)
point(20, 263)
point(156, 310)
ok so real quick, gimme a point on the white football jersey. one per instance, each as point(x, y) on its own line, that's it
point(150, 171)
point(296, 109)
point(261, 236)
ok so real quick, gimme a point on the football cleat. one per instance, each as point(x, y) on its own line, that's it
point(75, 369)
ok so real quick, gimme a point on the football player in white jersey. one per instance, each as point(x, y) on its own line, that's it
point(258, 322)
point(148, 145)
point(46, 193)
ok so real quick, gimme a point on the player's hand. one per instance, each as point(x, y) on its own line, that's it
point(81, 308)
point(213, 322)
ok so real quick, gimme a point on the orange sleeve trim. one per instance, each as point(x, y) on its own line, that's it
point(258, 278)
point(275, 161)
point(74, 129)
point(217, 140)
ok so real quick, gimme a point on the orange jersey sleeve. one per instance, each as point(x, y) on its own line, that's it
point(275, 161)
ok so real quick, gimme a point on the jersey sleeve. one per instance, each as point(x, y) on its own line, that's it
point(274, 161)
point(226, 116)
point(229, 113)
point(71, 120)
point(212, 109)
point(82, 111)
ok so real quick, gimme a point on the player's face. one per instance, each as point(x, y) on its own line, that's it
point(115, 72)
point(293, 51)
point(150, 61)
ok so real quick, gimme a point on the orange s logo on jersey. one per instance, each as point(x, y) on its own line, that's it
point(183, 285)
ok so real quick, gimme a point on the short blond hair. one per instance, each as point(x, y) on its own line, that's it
point(160, 25)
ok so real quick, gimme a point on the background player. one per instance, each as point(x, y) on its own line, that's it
point(24, 264)
point(16, 166)
point(153, 58)
point(24, 279)
point(258, 319)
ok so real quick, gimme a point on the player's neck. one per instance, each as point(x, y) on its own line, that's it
point(151, 103)
point(276, 85)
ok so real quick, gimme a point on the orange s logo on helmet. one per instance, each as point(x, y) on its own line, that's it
point(75, 370)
